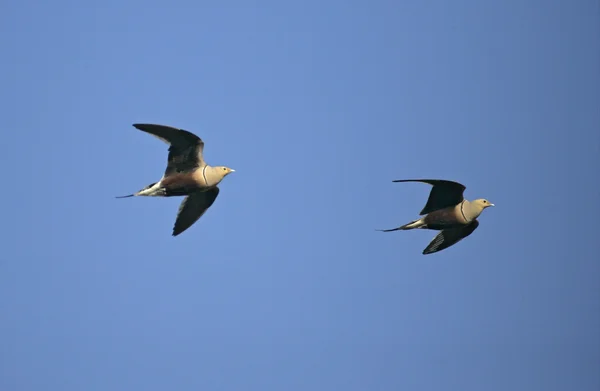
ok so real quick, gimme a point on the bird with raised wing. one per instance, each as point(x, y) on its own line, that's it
point(447, 211)
point(187, 174)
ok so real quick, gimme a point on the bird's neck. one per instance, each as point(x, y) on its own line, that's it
point(211, 175)
point(469, 211)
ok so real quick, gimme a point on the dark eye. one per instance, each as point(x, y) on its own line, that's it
point(224, 169)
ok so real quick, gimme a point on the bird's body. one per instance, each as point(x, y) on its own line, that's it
point(179, 184)
point(187, 174)
point(446, 211)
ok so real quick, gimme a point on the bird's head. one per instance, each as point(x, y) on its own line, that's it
point(224, 171)
point(482, 203)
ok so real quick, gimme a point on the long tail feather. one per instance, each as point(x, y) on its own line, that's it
point(412, 225)
point(389, 230)
point(138, 192)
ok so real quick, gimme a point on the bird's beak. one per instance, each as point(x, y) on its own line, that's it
point(492, 204)
point(231, 170)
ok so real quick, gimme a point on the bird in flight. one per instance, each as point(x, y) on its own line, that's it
point(446, 211)
point(187, 174)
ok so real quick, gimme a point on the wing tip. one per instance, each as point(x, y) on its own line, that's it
point(177, 230)
point(430, 181)
point(143, 126)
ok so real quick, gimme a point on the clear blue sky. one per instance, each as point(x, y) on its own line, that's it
point(284, 284)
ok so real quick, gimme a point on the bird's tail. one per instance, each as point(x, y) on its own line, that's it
point(419, 223)
point(142, 192)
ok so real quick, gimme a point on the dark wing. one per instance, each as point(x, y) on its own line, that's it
point(185, 150)
point(451, 236)
point(192, 208)
point(442, 195)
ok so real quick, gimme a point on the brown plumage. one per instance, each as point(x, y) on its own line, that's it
point(187, 174)
point(447, 211)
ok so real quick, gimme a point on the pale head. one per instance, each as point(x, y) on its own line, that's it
point(214, 175)
point(481, 203)
point(474, 208)
point(224, 171)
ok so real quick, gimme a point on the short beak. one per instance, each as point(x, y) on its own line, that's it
point(492, 204)
point(232, 170)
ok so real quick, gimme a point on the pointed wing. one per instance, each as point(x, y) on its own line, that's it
point(185, 150)
point(443, 194)
point(451, 236)
point(192, 208)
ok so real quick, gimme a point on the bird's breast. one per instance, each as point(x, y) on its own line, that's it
point(187, 180)
point(445, 218)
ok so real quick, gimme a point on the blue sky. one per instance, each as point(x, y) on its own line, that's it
point(284, 284)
